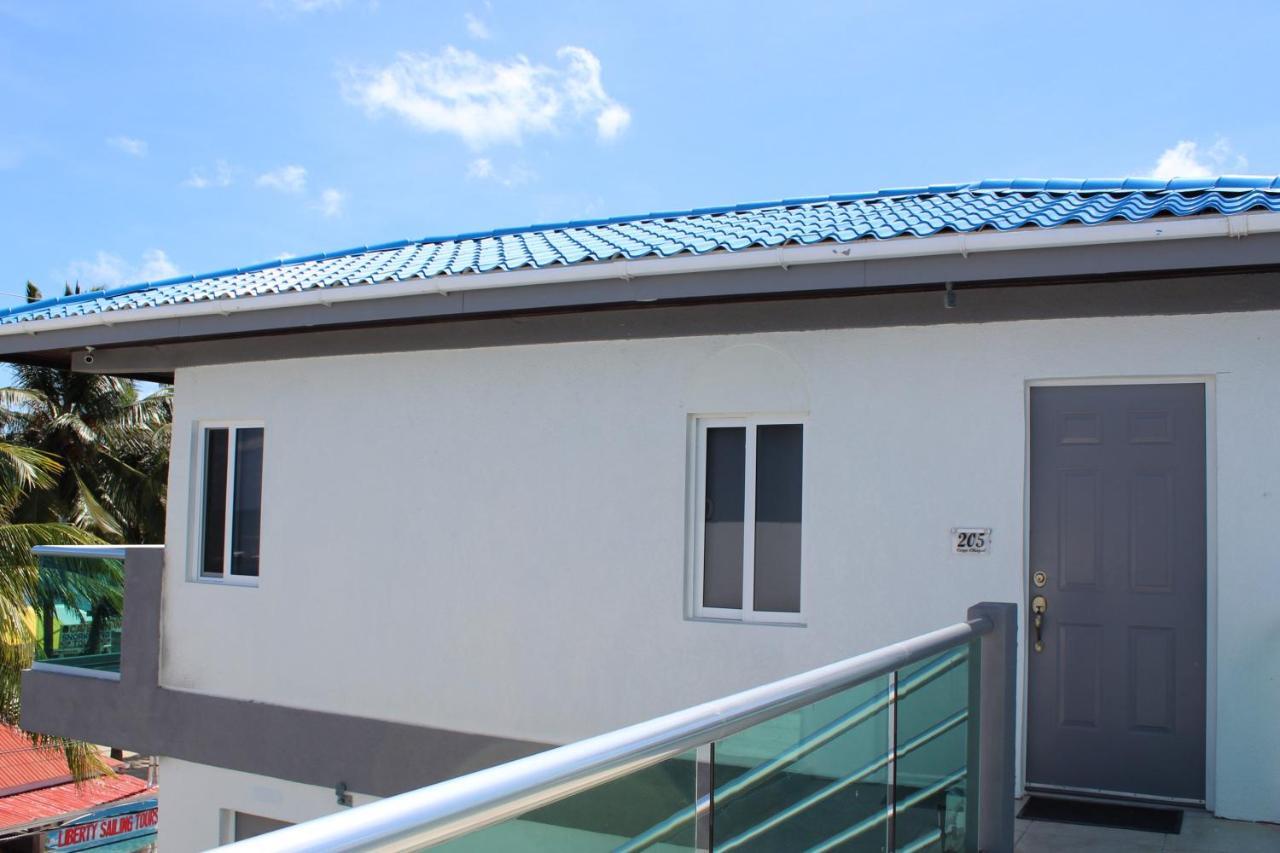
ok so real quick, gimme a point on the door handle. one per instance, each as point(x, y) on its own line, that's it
point(1039, 605)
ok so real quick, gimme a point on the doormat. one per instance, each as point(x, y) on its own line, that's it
point(1112, 815)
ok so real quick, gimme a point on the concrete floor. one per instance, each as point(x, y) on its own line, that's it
point(1201, 833)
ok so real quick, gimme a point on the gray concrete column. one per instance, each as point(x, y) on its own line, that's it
point(996, 688)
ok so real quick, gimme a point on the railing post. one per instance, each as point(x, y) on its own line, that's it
point(704, 798)
point(997, 686)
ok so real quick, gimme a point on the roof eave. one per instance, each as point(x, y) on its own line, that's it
point(958, 244)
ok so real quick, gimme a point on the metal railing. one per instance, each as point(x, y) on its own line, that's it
point(825, 735)
point(102, 552)
point(467, 804)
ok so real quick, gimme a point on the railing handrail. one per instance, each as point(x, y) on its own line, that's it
point(464, 804)
point(105, 552)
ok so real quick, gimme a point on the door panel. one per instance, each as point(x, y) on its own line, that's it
point(1116, 698)
point(1079, 655)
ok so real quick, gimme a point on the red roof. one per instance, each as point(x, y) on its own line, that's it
point(44, 805)
point(36, 786)
point(23, 766)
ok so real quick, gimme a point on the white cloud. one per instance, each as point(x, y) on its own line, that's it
point(612, 121)
point(291, 8)
point(586, 92)
point(105, 270)
point(156, 265)
point(201, 179)
point(477, 28)
point(1188, 160)
point(129, 145)
point(108, 270)
point(286, 179)
point(483, 169)
point(331, 202)
point(486, 102)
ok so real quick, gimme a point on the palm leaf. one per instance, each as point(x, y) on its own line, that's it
point(12, 398)
point(93, 514)
point(28, 467)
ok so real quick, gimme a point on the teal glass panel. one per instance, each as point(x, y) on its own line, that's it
point(76, 613)
point(812, 778)
point(650, 809)
point(932, 771)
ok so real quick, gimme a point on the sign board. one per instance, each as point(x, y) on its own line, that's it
point(105, 826)
point(971, 540)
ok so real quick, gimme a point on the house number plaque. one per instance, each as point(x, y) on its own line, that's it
point(971, 540)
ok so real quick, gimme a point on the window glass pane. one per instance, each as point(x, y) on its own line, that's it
point(246, 506)
point(215, 500)
point(779, 451)
point(725, 493)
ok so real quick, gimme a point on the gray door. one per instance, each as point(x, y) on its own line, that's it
point(1116, 695)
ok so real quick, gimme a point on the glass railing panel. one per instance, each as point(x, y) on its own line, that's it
point(797, 780)
point(604, 818)
point(932, 771)
point(75, 616)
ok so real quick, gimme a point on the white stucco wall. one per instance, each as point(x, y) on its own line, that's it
point(494, 540)
point(198, 803)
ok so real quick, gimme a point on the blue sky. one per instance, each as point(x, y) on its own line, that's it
point(140, 140)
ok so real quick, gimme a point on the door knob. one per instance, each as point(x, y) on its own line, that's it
point(1039, 605)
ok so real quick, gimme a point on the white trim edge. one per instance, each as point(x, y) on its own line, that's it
point(61, 669)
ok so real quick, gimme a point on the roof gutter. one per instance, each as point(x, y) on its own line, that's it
point(961, 244)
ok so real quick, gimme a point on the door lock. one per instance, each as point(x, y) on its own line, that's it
point(1039, 579)
point(1039, 604)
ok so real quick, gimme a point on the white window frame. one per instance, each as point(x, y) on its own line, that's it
point(199, 465)
point(698, 511)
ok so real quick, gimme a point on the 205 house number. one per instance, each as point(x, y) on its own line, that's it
point(971, 540)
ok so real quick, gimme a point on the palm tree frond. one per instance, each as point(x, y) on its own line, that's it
point(93, 512)
point(28, 467)
point(20, 398)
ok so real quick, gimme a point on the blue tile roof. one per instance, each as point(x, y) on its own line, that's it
point(1003, 205)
